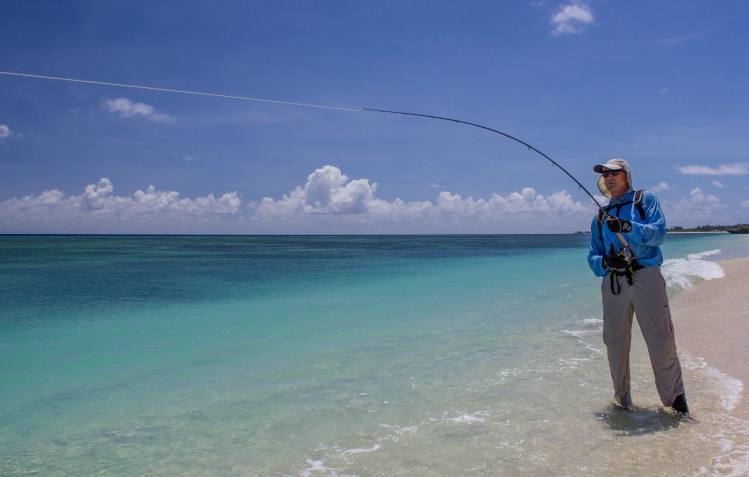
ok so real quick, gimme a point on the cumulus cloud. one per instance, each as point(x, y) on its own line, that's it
point(718, 184)
point(699, 209)
point(697, 196)
point(735, 169)
point(127, 109)
point(95, 195)
point(571, 18)
point(328, 202)
point(97, 209)
point(328, 191)
point(5, 132)
point(353, 202)
point(660, 187)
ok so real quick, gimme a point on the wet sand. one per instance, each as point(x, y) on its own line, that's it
point(711, 321)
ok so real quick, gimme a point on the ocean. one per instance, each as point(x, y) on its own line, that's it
point(469, 355)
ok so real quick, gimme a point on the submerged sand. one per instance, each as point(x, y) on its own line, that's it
point(711, 321)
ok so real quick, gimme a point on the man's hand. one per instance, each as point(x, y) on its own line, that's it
point(614, 260)
point(618, 225)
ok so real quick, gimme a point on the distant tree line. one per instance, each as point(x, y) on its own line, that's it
point(734, 229)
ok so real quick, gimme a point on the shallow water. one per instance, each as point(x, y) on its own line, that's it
point(254, 356)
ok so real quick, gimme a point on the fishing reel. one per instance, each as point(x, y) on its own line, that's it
point(621, 259)
point(626, 254)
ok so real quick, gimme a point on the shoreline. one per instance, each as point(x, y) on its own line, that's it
point(711, 321)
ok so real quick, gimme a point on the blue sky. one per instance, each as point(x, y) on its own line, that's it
point(660, 84)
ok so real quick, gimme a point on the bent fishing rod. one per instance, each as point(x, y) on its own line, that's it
point(289, 103)
point(486, 128)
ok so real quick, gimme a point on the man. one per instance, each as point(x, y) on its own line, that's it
point(625, 250)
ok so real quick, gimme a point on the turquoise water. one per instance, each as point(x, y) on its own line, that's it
point(333, 356)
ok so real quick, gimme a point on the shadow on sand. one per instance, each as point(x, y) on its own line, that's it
point(640, 421)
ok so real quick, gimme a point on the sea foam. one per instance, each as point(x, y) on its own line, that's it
point(683, 272)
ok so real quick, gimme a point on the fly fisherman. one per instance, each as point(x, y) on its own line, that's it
point(625, 250)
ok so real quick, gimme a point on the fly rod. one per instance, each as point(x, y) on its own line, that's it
point(486, 128)
point(307, 105)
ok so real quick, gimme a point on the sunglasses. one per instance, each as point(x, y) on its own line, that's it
point(610, 173)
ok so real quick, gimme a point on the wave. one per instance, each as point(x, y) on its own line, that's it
point(685, 272)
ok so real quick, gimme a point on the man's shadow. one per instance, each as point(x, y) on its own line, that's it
point(640, 421)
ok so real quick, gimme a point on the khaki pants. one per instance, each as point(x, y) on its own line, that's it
point(647, 299)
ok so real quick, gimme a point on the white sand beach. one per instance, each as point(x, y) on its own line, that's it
point(712, 322)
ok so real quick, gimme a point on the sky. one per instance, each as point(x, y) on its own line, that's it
point(659, 84)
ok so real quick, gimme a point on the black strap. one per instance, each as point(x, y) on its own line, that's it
point(614, 281)
point(615, 287)
point(628, 274)
point(636, 202)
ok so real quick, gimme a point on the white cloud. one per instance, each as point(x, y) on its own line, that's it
point(95, 195)
point(697, 209)
point(718, 184)
point(329, 202)
point(701, 208)
point(329, 191)
point(353, 203)
point(126, 109)
point(5, 132)
point(678, 41)
point(660, 187)
point(97, 209)
point(699, 197)
point(571, 18)
point(735, 169)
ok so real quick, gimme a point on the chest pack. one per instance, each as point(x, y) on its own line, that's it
point(636, 203)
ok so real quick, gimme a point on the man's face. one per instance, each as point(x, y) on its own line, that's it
point(616, 181)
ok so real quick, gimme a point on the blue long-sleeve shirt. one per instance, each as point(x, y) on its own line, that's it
point(644, 240)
